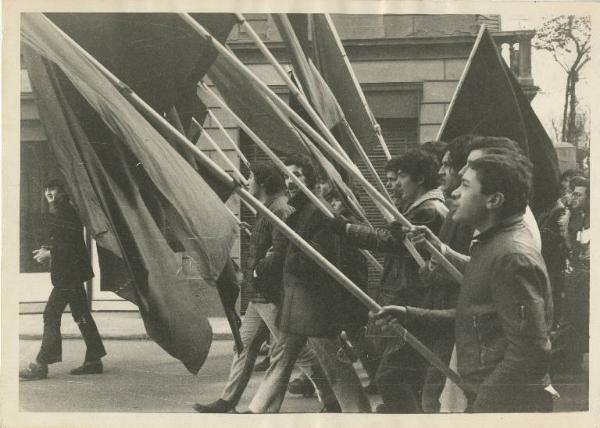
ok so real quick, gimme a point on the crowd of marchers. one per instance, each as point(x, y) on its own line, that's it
point(519, 315)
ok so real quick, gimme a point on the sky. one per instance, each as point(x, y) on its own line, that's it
point(547, 74)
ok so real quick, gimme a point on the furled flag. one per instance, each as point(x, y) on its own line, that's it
point(117, 170)
point(489, 101)
point(332, 62)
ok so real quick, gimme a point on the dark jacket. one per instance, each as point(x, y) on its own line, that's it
point(400, 272)
point(504, 312)
point(442, 290)
point(268, 287)
point(70, 263)
point(314, 304)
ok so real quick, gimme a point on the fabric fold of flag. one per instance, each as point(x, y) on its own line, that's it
point(126, 169)
point(489, 101)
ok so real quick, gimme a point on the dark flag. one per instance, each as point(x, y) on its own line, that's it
point(332, 62)
point(118, 169)
point(489, 101)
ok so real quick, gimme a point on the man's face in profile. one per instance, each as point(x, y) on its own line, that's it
point(53, 194)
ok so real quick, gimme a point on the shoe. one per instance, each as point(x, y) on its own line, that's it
point(264, 349)
point(88, 367)
point(301, 386)
point(380, 408)
point(34, 371)
point(371, 389)
point(331, 408)
point(263, 365)
point(219, 406)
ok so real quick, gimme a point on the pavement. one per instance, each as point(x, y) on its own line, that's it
point(111, 325)
point(140, 377)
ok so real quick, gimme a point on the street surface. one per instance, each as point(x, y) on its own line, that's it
point(140, 377)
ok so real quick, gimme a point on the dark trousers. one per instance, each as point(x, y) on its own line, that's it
point(511, 398)
point(75, 297)
point(400, 378)
point(435, 380)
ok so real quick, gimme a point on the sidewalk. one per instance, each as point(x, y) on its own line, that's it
point(112, 325)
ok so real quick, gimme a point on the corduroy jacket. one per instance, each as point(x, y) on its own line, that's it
point(267, 288)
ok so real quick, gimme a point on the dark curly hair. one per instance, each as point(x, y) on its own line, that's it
point(487, 143)
point(268, 175)
point(436, 148)
point(510, 174)
point(308, 168)
point(420, 165)
point(458, 148)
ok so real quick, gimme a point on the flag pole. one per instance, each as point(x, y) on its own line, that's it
point(236, 171)
point(238, 175)
point(293, 88)
point(348, 166)
point(309, 108)
point(352, 288)
point(213, 118)
point(461, 82)
point(361, 94)
point(204, 89)
point(295, 45)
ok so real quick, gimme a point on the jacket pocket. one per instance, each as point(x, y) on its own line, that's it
point(490, 339)
point(532, 318)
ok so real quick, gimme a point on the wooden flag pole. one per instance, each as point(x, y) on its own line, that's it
point(213, 118)
point(361, 94)
point(348, 166)
point(202, 87)
point(287, 27)
point(239, 176)
point(270, 154)
point(290, 84)
point(306, 104)
point(314, 255)
point(461, 82)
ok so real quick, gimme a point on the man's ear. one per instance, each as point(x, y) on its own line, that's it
point(494, 201)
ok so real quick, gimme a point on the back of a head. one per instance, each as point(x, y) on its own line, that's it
point(436, 148)
point(509, 174)
point(490, 143)
point(580, 181)
point(420, 165)
point(458, 149)
point(570, 173)
point(268, 175)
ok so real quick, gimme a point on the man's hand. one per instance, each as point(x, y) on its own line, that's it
point(387, 320)
point(398, 230)
point(42, 255)
point(337, 224)
point(419, 235)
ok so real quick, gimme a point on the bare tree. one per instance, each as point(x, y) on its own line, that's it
point(567, 38)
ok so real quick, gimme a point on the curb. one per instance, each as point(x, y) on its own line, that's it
point(143, 336)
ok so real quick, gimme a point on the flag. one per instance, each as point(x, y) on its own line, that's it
point(490, 102)
point(116, 179)
point(273, 126)
point(331, 60)
point(158, 56)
